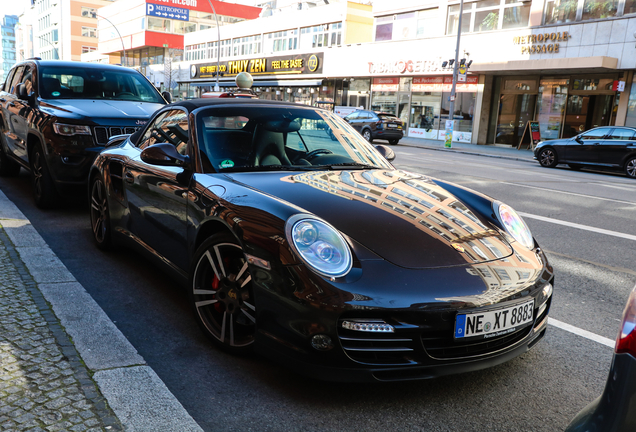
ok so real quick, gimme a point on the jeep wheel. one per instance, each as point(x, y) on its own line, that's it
point(44, 191)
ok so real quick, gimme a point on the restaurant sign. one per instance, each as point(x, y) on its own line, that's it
point(444, 84)
point(298, 64)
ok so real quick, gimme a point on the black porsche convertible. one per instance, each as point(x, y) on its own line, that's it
point(298, 239)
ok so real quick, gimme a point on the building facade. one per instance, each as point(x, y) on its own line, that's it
point(566, 64)
point(7, 51)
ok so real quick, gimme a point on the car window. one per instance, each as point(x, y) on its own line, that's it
point(16, 79)
point(29, 78)
point(95, 83)
point(353, 115)
point(171, 127)
point(276, 137)
point(621, 134)
point(7, 84)
point(388, 117)
point(595, 134)
point(365, 115)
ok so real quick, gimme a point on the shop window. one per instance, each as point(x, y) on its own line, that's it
point(158, 24)
point(631, 108)
point(560, 11)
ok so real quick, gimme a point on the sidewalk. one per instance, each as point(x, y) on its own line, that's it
point(495, 151)
point(64, 365)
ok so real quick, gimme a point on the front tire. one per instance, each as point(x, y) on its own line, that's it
point(630, 167)
point(44, 191)
point(221, 294)
point(366, 134)
point(393, 141)
point(548, 158)
point(100, 214)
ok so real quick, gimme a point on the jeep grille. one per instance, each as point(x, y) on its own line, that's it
point(103, 133)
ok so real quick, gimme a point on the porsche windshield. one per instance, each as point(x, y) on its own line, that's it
point(265, 137)
point(58, 82)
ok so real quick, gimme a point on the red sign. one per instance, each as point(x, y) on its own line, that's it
point(385, 84)
point(444, 84)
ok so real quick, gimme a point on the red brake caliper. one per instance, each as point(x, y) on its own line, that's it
point(215, 286)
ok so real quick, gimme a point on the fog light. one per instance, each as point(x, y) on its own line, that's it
point(543, 298)
point(374, 327)
point(321, 342)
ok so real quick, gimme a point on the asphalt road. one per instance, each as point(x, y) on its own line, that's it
point(539, 391)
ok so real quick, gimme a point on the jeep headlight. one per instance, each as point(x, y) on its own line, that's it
point(70, 130)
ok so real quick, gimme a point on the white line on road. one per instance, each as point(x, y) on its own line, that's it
point(583, 333)
point(579, 226)
point(569, 193)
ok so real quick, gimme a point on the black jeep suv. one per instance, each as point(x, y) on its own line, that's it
point(57, 116)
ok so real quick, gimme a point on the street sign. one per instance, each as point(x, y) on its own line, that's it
point(168, 12)
point(462, 74)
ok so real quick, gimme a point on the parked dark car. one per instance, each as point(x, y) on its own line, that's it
point(57, 116)
point(614, 411)
point(318, 252)
point(610, 147)
point(376, 125)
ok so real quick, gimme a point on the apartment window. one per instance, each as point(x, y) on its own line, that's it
point(426, 22)
point(89, 12)
point(89, 32)
point(87, 49)
point(487, 15)
point(246, 45)
point(283, 41)
point(324, 35)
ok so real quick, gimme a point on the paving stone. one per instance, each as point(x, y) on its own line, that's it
point(44, 386)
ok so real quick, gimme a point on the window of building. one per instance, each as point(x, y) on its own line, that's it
point(323, 35)
point(426, 22)
point(246, 45)
point(89, 32)
point(406, 25)
point(159, 24)
point(487, 15)
point(89, 12)
point(595, 9)
point(87, 49)
point(282, 41)
point(563, 11)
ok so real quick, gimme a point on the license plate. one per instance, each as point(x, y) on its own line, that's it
point(493, 323)
point(392, 125)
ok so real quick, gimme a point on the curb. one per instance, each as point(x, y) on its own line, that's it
point(131, 388)
point(468, 152)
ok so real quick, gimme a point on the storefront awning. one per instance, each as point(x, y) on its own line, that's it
point(597, 64)
point(260, 83)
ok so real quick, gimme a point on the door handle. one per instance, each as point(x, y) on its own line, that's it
point(129, 177)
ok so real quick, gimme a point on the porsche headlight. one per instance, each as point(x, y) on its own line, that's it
point(513, 224)
point(319, 245)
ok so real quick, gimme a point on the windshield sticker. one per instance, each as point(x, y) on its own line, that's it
point(55, 93)
point(227, 164)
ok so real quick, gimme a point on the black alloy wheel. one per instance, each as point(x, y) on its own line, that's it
point(8, 167)
point(393, 142)
point(221, 293)
point(548, 158)
point(366, 134)
point(44, 191)
point(630, 167)
point(100, 216)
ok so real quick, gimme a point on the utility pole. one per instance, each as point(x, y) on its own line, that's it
point(451, 108)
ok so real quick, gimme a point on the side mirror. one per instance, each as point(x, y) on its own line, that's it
point(164, 154)
point(167, 96)
point(387, 152)
point(21, 91)
point(578, 139)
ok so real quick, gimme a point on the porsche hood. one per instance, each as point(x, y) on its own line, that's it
point(404, 218)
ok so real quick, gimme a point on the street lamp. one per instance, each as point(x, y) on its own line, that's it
point(120, 38)
point(49, 42)
point(218, 51)
point(454, 63)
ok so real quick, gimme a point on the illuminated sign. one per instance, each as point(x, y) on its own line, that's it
point(167, 12)
point(405, 66)
point(543, 43)
point(280, 65)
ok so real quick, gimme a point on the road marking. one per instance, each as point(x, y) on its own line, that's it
point(579, 226)
point(583, 333)
point(570, 193)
